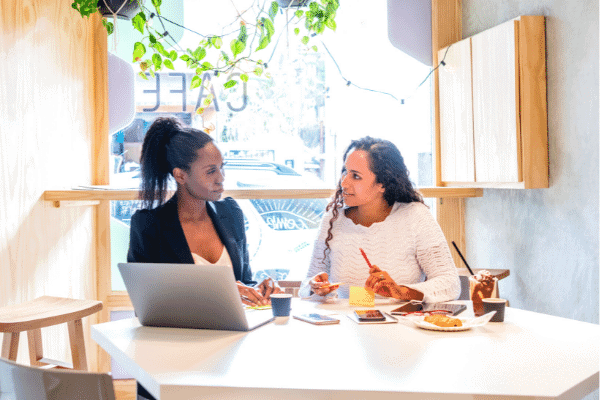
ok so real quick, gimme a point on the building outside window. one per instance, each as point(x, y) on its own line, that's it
point(287, 130)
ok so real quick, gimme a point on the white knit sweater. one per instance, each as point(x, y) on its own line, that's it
point(408, 244)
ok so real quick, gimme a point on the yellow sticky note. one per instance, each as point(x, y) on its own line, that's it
point(359, 296)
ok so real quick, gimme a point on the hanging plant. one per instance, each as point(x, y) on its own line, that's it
point(212, 54)
point(123, 9)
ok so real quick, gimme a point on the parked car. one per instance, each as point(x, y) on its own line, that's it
point(280, 232)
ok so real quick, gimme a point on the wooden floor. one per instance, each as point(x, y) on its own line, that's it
point(124, 389)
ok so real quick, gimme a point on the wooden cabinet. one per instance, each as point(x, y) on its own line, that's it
point(493, 118)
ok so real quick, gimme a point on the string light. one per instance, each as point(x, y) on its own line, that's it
point(348, 82)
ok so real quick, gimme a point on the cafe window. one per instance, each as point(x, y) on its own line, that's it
point(288, 130)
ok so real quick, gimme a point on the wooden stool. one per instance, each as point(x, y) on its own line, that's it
point(46, 311)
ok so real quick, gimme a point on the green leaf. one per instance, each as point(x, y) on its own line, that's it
point(138, 51)
point(217, 42)
point(152, 39)
point(330, 23)
point(270, 27)
point(142, 75)
point(207, 66)
point(230, 83)
point(184, 57)
point(159, 47)
point(264, 42)
point(196, 82)
point(305, 40)
point(156, 4)
point(157, 61)
point(169, 64)
point(273, 10)
point(315, 48)
point(225, 56)
point(85, 7)
point(299, 14)
point(199, 53)
point(296, 31)
point(237, 47)
point(244, 77)
point(243, 34)
point(173, 55)
point(139, 21)
point(110, 27)
point(258, 71)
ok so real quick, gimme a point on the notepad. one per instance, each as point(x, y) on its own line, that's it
point(359, 296)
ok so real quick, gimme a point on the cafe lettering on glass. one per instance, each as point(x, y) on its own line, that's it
point(170, 92)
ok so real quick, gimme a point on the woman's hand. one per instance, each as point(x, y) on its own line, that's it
point(318, 281)
point(250, 296)
point(268, 287)
point(382, 283)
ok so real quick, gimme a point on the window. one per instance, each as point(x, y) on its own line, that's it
point(288, 131)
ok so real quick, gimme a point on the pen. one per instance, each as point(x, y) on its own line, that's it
point(366, 259)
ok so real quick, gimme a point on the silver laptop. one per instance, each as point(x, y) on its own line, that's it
point(189, 296)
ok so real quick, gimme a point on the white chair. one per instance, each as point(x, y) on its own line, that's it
point(21, 382)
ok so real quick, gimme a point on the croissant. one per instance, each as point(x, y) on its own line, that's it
point(442, 320)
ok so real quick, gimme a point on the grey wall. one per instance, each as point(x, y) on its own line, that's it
point(548, 238)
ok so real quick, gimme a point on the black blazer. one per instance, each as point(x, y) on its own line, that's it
point(157, 236)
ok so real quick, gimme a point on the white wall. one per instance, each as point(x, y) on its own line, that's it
point(548, 238)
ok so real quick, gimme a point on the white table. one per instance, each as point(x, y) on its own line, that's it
point(529, 356)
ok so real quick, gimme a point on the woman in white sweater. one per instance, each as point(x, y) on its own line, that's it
point(376, 209)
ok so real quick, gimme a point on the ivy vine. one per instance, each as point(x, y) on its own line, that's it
point(211, 53)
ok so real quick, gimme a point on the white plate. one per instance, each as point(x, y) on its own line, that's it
point(467, 323)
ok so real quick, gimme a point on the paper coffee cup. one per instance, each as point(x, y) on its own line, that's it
point(281, 303)
point(495, 304)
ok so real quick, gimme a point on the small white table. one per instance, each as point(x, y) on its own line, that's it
point(529, 356)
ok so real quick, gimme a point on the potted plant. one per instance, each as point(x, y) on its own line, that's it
point(212, 54)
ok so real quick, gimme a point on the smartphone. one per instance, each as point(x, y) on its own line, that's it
point(317, 319)
point(332, 286)
point(407, 308)
point(369, 315)
point(453, 309)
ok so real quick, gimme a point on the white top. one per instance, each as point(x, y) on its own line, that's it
point(529, 356)
point(408, 244)
point(224, 260)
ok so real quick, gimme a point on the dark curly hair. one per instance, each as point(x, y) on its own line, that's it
point(386, 162)
point(168, 144)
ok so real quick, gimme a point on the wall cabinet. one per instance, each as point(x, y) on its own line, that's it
point(493, 118)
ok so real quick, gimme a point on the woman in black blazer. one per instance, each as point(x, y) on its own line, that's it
point(194, 226)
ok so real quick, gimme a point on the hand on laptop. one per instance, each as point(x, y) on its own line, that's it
point(268, 287)
point(250, 295)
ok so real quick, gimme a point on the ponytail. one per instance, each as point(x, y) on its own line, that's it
point(168, 144)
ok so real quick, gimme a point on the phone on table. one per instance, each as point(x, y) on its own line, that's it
point(332, 286)
point(317, 319)
point(448, 309)
point(369, 315)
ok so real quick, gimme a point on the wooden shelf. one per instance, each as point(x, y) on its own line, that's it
point(92, 195)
